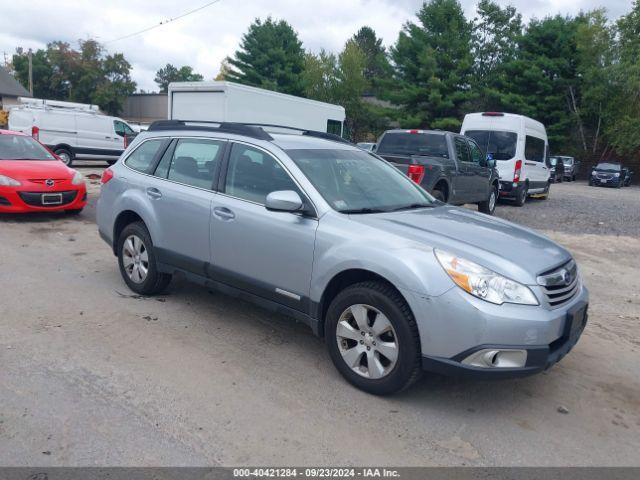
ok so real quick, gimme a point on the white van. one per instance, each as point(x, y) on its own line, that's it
point(520, 147)
point(71, 129)
point(232, 102)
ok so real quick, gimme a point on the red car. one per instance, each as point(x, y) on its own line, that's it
point(32, 179)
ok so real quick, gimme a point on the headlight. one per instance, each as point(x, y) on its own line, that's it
point(616, 175)
point(593, 173)
point(78, 179)
point(483, 283)
point(8, 182)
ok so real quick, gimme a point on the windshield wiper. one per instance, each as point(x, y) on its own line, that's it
point(363, 210)
point(413, 206)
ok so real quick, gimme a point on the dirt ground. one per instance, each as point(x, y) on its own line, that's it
point(91, 375)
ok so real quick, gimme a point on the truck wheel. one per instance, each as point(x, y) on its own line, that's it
point(489, 205)
point(137, 261)
point(65, 155)
point(373, 338)
point(521, 195)
point(439, 195)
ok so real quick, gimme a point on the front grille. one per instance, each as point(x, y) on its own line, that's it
point(561, 284)
point(35, 198)
point(42, 181)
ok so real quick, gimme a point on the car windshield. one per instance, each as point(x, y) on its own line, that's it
point(21, 147)
point(567, 160)
point(407, 143)
point(553, 160)
point(608, 166)
point(498, 144)
point(354, 181)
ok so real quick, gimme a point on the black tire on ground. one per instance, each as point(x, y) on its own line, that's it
point(521, 195)
point(489, 205)
point(388, 301)
point(76, 211)
point(154, 282)
point(547, 191)
point(439, 195)
point(573, 179)
point(65, 155)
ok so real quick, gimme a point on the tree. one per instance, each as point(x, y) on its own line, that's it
point(224, 70)
point(270, 56)
point(320, 76)
point(377, 66)
point(86, 75)
point(433, 65)
point(623, 128)
point(169, 73)
point(495, 35)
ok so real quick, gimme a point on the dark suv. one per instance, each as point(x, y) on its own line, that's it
point(556, 169)
point(608, 174)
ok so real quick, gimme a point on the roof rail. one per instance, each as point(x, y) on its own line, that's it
point(304, 131)
point(225, 127)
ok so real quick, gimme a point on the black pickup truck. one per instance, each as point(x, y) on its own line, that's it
point(451, 167)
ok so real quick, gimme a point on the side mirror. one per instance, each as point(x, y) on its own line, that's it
point(284, 201)
point(491, 163)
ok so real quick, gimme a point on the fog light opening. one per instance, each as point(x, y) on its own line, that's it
point(492, 358)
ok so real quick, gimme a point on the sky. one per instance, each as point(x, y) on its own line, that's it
point(204, 38)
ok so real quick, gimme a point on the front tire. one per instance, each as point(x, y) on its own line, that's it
point(373, 338)
point(489, 205)
point(137, 261)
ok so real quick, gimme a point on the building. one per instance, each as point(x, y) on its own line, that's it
point(145, 108)
point(10, 90)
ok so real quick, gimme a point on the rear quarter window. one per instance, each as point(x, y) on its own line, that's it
point(141, 159)
point(534, 149)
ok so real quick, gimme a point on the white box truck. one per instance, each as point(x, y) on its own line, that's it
point(71, 129)
point(232, 102)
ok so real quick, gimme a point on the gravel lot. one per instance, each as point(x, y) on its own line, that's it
point(91, 375)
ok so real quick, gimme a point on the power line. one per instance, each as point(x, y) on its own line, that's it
point(164, 22)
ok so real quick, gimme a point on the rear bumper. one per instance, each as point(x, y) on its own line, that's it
point(13, 200)
point(507, 189)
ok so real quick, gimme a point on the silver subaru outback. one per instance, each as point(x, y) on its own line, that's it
point(322, 231)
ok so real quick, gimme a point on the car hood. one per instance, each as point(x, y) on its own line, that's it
point(35, 169)
point(504, 247)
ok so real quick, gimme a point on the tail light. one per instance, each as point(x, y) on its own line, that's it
point(517, 171)
point(107, 175)
point(416, 173)
point(126, 141)
point(35, 133)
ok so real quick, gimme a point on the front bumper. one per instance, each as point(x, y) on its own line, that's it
point(28, 198)
point(455, 325)
point(608, 182)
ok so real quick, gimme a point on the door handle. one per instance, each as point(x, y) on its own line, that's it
point(224, 213)
point(154, 193)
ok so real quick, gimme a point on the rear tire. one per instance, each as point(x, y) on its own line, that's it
point(65, 155)
point(521, 195)
point(489, 205)
point(354, 340)
point(138, 263)
point(439, 195)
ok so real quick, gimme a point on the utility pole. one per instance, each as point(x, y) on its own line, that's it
point(30, 72)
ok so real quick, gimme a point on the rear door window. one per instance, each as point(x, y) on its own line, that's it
point(406, 143)
point(500, 145)
point(476, 154)
point(462, 150)
point(194, 162)
point(142, 158)
point(534, 149)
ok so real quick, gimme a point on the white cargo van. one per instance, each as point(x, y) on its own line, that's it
point(71, 129)
point(232, 102)
point(520, 147)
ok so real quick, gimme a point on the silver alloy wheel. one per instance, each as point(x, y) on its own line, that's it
point(135, 259)
point(367, 341)
point(492, 200)
point(65, 157)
